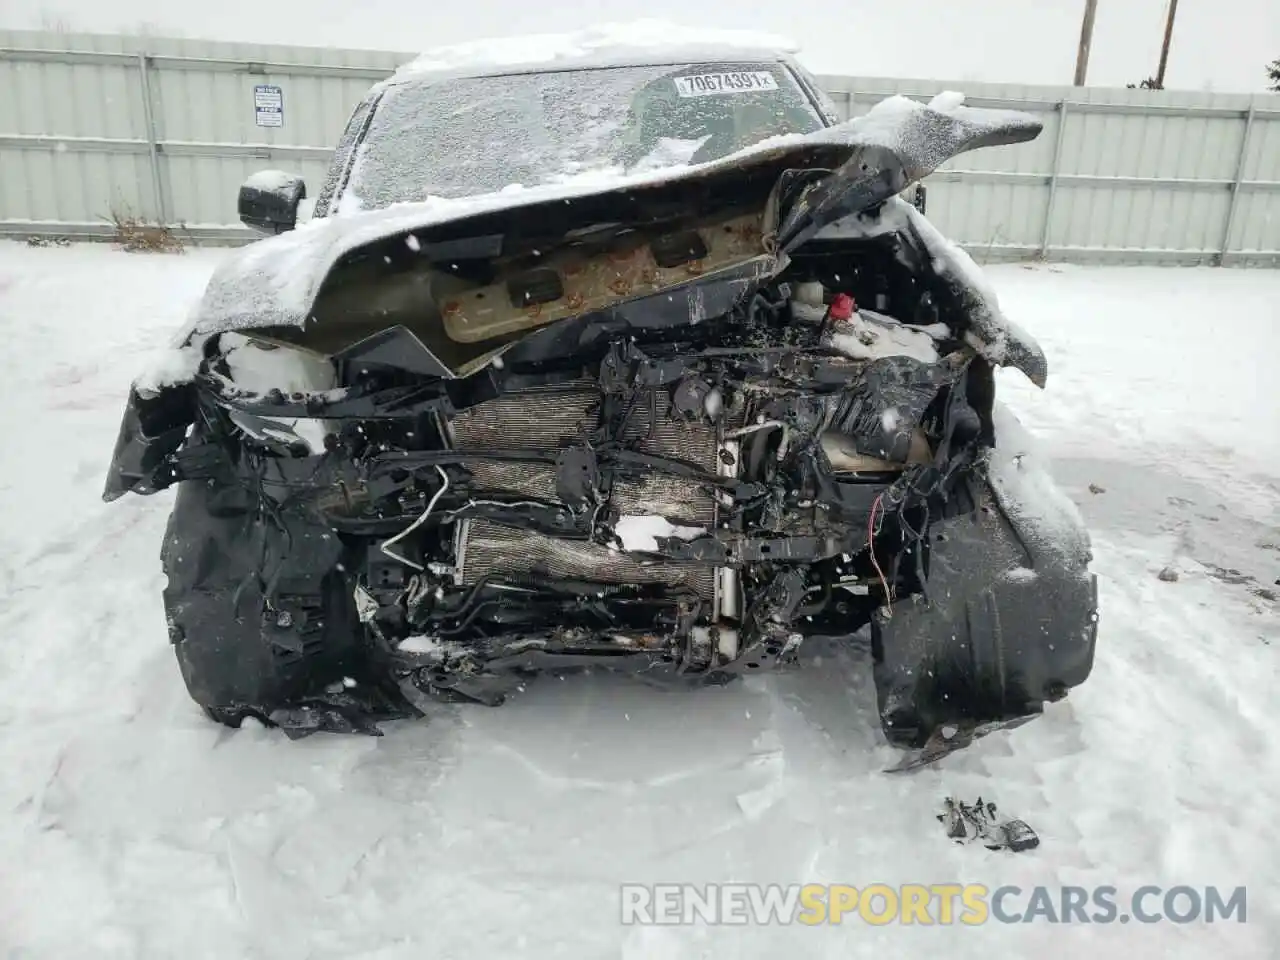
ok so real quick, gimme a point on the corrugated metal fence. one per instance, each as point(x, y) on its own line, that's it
point(166, 130)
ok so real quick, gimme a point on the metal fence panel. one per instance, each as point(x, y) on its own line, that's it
point(164, 129)
point(96, 125)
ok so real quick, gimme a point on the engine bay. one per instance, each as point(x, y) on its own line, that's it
point(694, 495)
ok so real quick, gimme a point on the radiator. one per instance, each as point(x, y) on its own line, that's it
point(553, 417)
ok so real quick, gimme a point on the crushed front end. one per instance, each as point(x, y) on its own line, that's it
point(678, 446)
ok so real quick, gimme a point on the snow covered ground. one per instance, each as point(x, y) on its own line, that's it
point(132, 827)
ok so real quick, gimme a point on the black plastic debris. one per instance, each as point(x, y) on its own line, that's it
point(299, 722)
point(969, 822)
point(946, 739)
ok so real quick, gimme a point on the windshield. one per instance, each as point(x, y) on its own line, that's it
point(463, 137)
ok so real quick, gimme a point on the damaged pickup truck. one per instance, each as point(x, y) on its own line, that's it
point(700, 387)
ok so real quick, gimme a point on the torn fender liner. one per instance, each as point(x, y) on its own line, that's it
point(1007, 621)
point(258, 611)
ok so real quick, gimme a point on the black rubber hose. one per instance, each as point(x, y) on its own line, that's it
point(465, 603)
point(466, 621)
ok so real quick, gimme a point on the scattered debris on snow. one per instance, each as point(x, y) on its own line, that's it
point(969, 822)
point(1228, 575)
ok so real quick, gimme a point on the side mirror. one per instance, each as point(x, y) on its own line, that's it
point(269, 201)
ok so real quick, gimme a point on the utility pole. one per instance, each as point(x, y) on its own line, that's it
point(1164, 51)
point(1086, 41)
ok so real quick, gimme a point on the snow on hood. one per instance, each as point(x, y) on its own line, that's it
point(622, 42)
point(274, 282)
point(890, 124)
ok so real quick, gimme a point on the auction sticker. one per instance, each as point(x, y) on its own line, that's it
point(709, 84)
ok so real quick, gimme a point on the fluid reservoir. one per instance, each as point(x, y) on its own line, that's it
point(808, 302)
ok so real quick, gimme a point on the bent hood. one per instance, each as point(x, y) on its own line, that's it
point(855, 166)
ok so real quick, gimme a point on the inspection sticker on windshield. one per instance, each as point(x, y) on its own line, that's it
point(708, 84)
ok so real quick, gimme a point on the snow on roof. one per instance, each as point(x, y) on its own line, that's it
point(635, 42)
